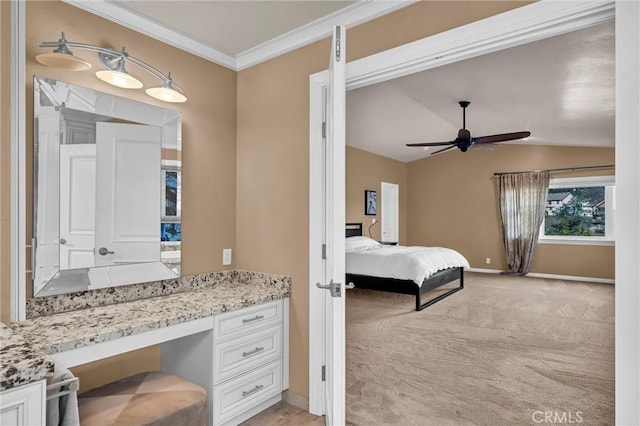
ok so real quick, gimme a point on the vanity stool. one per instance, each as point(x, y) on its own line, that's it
point(150, 398)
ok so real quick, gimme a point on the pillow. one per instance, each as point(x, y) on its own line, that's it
point(360, 243)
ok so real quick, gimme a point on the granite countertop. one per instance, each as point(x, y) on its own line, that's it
point(70, 330)
point(20, 361)
point(64, 322)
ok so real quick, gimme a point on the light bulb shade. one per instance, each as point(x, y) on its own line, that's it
point(119, 79)
point(166, 94)
point(63, 60)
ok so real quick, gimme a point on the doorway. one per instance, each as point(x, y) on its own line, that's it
point(389, 212)
point(522, 25)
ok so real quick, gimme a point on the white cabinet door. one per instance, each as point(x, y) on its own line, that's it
point(24, 405)
point(129, 183)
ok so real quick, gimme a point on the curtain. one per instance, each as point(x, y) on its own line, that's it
point(522, 204)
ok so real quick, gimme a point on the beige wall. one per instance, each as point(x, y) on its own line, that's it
point(209, 142)
point(273, 155)
point(452, 202)
point(365, 170)
point(254, 199)
point(208, 127)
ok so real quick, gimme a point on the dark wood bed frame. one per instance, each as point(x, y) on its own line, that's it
point(391, 285)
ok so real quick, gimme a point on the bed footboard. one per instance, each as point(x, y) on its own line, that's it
point(409, 287)
point(439, 279)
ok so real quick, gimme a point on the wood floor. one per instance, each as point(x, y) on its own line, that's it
point(504, 351)
point(285, 414)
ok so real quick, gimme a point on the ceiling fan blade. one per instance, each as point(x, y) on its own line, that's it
point(442, 150)
point(501, 138)
point(432, 143)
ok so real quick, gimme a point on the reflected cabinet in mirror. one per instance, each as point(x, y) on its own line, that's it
point(106, 190)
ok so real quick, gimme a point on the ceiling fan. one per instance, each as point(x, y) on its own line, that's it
point(464, 141)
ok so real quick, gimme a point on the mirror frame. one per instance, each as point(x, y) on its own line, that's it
point(58, 94)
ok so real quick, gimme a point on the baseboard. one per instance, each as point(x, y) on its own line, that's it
point(549, 276)
point(483, 271)
point(296, 399)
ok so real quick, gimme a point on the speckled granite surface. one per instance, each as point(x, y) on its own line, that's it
point(20, 361)
point(211, 294)
point(39, 306)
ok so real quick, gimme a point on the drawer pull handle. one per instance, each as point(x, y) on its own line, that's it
point(255, 351)
point(254, 390)
point(256, 318)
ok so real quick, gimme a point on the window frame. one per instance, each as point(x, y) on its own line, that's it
point(608, 239)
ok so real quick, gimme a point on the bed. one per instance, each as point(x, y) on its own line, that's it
point(398, 269)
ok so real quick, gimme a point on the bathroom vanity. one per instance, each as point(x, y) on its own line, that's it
point(227, 332)
point(22, 385)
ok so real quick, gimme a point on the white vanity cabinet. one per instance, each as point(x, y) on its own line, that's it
point(242, 362)
point(24, 405)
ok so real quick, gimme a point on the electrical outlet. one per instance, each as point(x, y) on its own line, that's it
point(374, 220)
point(226, 256)
point(488, 261)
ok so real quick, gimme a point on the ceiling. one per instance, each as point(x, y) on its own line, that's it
point(233, 27)
point(562, 89)
point(241, 33)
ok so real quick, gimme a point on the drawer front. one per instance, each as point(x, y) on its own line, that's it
point(236, 396)
point(243, 354)
point(247, 320)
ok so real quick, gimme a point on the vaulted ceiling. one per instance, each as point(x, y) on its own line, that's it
point(561, 89)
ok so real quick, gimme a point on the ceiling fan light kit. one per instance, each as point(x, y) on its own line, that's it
point(114, 63)
point(464, 140)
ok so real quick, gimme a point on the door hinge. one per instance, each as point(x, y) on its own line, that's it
point(324, 373)
point(324, 251)
point(324, 129)
point(338, 51)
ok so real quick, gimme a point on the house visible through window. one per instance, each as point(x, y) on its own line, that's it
point(580, 211)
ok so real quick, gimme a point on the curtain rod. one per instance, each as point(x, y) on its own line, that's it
point(564, 169)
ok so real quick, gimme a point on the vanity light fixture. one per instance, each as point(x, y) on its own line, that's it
point(115, 72)
point(167, 92)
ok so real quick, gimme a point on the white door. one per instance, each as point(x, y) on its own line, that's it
point(77, 205)
point(333, 211)
point(389, 211)
point(129, 183)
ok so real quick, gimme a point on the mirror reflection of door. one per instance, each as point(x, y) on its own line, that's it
point(129, 182)
point(389, 211)
point(127, 176)
point(46, 198)
point(77, 205)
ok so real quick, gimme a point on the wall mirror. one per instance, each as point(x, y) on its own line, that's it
point(106, 190)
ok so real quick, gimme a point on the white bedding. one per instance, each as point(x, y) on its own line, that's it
point(403, 263)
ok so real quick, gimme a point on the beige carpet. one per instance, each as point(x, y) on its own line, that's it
point(503, 351)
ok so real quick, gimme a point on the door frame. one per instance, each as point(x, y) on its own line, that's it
point(523, 25)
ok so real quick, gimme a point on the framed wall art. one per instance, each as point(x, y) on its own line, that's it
point(370, 203)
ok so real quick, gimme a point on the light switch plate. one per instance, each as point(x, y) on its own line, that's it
point(226, 256)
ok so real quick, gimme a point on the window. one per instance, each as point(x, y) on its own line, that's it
point(580, 211)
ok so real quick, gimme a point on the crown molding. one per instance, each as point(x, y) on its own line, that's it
point(151, 28)
point(351, 16)
point(348, 17)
